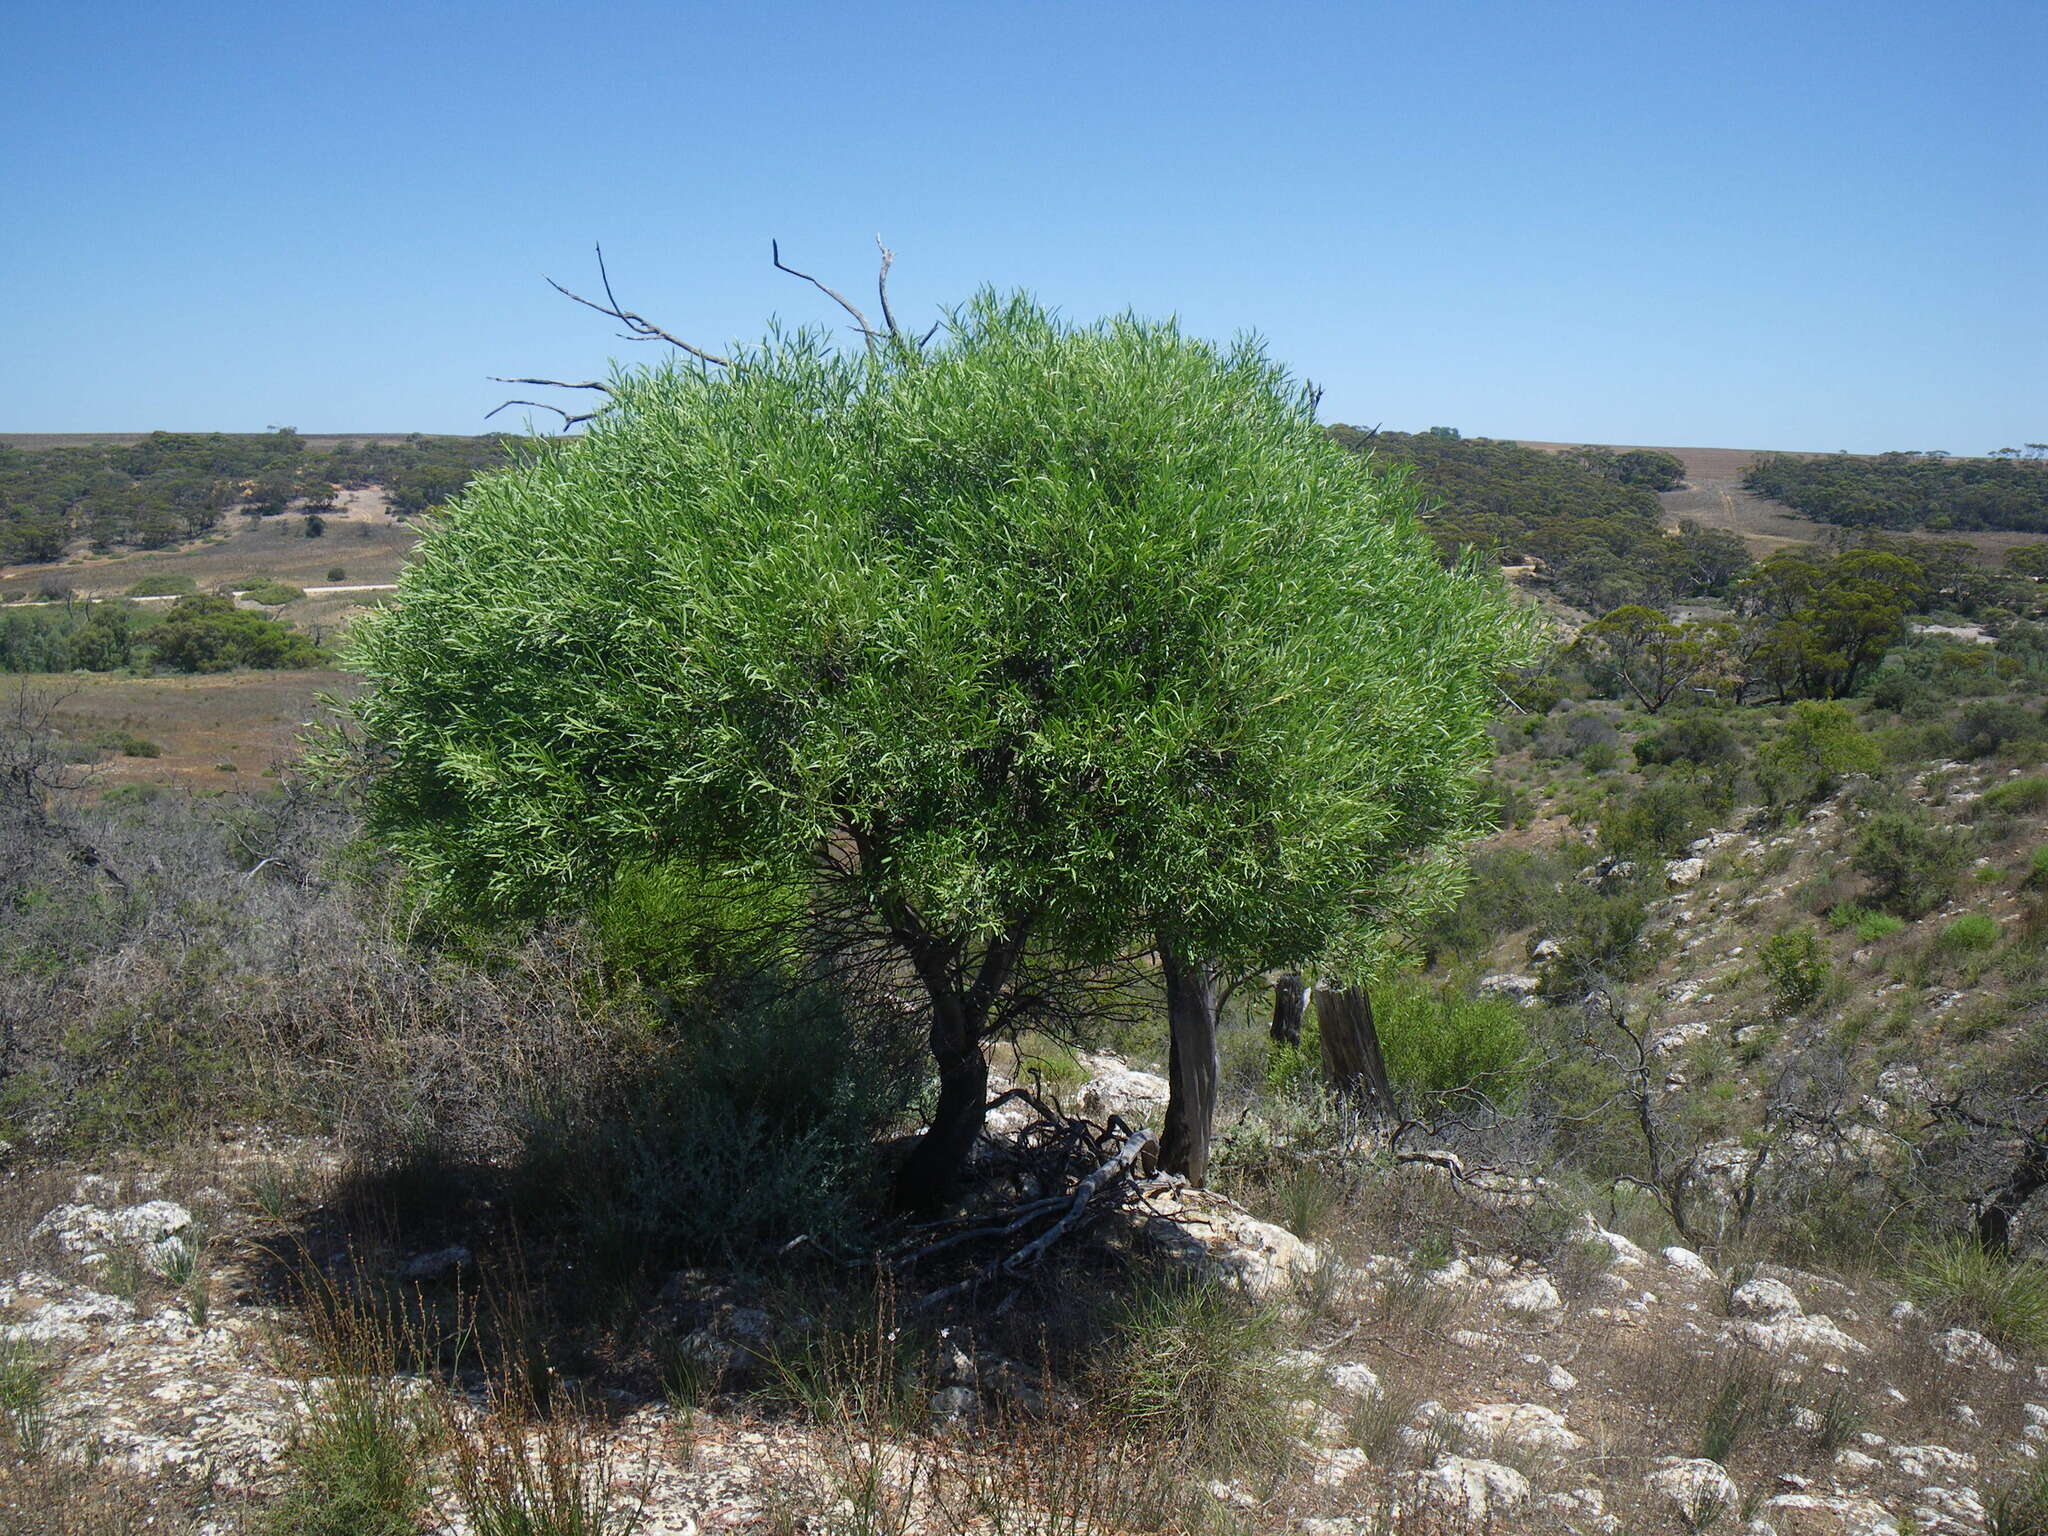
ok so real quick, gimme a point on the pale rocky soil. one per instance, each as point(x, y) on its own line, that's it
point(1513, 1396)
point(1474, 1388)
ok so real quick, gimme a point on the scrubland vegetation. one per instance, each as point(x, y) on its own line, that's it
point(685, 1043)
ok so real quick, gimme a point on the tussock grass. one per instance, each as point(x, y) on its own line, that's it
point(358, 1465)
point(1191, 1363)
point(2019, 1506)
point(1961, 1283)
point(25, 1396)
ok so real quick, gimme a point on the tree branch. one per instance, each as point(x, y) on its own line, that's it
point(866, 330)
point(638, 327)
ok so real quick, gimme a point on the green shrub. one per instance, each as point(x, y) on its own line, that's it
point(1961, 1283)
point(336, 573)
point(1696, 738)
point(1436, 1041)
point(1985, 729)
point(273, 594)
point(2017, 797)
point(1913, 864)
point(1797, 966)
point(127, 744)
point(1599, 934)
point(751, 1122)
point(1972, 931)
point(210, 634)
point(1662, 817)
point(1816, 748)
point(163, 586)
point(2037, 870)
point(1508, 889)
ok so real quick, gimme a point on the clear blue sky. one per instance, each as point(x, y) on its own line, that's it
point(1799, 225)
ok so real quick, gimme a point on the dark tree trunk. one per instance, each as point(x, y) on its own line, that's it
point(2002, 1207)
point(1192, 1065)
point(930, 1176)
point(1290, 1002)
point(1351, 1048)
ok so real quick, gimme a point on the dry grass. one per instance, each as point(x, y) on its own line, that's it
point(252, 720)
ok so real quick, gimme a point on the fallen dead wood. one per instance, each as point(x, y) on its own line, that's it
point(1068, 1171)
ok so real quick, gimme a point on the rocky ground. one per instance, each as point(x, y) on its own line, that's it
point(1479, 1390)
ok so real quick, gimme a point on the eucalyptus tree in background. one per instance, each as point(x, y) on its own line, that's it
point(1030, 638)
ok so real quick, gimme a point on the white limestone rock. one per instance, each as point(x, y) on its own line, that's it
point(1700, 1489)
point(1534, 1297)
point(1527, 1428)
point(1685, 1262)
point(1480, 1490)
point(1962, 1346)
point(1769, 1300)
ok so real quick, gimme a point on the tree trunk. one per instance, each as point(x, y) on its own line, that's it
point(2002, 1207)
point(1192, 1065)
point(931, 1174)
point(1351, 1048)
point(1290, 1002)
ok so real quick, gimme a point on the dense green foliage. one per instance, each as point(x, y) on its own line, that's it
point(1039, 618)
point(89, 637)
point(173, 486)
point(210, 634)
point(1907, 490)
point(1589, 515)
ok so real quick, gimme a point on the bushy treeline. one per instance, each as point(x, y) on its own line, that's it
point(199, 633)
point(1907, 490)
point(173, 486)
point(1590, 516)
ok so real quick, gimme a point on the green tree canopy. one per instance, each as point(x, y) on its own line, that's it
point(1050, 635)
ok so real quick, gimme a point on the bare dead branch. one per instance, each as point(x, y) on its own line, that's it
point(568, 420)
point(497, 378)
point(882, 286)
point(868, 331)
point(638, 326)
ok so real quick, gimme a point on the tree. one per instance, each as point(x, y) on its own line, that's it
point(1044, 639)
point(210, 634)
point(1653, 658)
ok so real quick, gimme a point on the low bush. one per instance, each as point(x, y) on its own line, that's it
point(1797, 966)
point(1663, 816)
point(1867, 925)
point(2036, 877)
point(2017, 797)
point(1818, 746)
point(210, 634)
point(163, 586)
point(273, 594)
point(1702, 739)
point(1986, 728)
point(1970, 932)
point(127, 743)
point(750, 1121)
point(1913, 864)
point(1509, 889)
point(337, 573)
